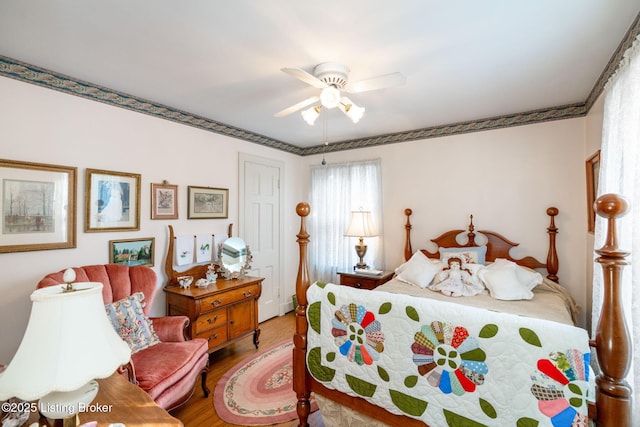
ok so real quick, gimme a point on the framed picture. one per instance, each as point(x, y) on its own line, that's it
point(593, 170)
point(38, 205)
point(164, 201)
point(132, 251)
point(207, 202)
point(112, 201)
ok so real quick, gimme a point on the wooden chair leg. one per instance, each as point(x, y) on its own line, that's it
point(203, 375)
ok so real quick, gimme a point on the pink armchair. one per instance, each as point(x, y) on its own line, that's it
point(167, 371)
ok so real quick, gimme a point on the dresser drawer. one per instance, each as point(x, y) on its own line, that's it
point(215, 337)
point(210, 320)
point(230, 297)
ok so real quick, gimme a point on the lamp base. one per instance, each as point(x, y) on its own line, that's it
point(63, 407)
point(361, 251)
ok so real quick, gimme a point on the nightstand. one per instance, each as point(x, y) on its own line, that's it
point(364, 281)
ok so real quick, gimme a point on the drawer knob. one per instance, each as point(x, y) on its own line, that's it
point(246, 293)
point(232, 321)
point(209, 320)
point(358, 285)
point(216, 302)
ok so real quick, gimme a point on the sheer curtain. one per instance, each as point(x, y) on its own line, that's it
point(619, 173)
point(336, 191)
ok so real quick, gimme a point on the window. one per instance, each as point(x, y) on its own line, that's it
point(337, 190)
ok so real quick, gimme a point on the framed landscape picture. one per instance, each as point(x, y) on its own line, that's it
point(112, 201)
point(207, 202)
point(164, 201)
point(38, 205)
point(132, 251)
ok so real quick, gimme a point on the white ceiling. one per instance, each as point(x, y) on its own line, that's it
point(464, 60)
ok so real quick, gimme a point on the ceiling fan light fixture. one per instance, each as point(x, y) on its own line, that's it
point(330, 97)
point(351, 110)
point(310, 115)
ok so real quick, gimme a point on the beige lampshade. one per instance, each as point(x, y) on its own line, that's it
point(361, 225)
point(69, 341)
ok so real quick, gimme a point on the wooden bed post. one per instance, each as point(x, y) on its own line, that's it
point(300, 385)
point(408, 252)
point(613, 342)
point(552, 254)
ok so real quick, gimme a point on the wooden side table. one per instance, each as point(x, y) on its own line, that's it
point(365, 281)
point(118, 401)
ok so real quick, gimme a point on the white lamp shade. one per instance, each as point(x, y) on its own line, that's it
point(361, 225)
point(68, 342)
point(310, 115)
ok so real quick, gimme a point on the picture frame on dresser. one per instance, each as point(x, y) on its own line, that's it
point(207, 202)
point(164, 201)
point(38, 205)
point(112, 201)
point(593, 170)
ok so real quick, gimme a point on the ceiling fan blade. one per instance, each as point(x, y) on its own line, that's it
point(309, 79)
point(375, 83)
point(300, 105)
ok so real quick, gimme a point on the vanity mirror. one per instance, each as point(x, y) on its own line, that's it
point(234, 258)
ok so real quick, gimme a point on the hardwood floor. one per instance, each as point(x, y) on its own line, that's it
point(199, 410)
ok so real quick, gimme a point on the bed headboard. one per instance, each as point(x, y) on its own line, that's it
point(498, 246)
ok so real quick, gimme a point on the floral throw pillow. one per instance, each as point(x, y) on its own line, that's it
point(130, 322)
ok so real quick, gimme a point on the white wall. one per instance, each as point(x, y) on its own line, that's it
point(42, 125)
point(506, 178)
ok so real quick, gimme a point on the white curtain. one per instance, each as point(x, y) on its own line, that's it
point(620, 173)
point(337, 190)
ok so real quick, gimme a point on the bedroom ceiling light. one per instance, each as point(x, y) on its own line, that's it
point(361, 226)
point(330, 97)
point(310, 115)
point(351, 110)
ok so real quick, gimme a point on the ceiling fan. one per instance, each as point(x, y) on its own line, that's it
point(332, 78)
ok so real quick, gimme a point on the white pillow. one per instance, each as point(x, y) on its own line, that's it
point(419, 270)
point(506, 280)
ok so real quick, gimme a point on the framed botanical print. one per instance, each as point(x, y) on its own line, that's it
point(112, 201)
point(207, 202)
point(593, 170)
point(164, 201)
point(38, 205)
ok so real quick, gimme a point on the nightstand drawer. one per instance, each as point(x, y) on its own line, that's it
point(362, 281)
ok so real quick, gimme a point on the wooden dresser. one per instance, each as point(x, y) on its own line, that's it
point(220, 313)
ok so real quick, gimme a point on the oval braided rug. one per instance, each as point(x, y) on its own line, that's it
point(258, 390)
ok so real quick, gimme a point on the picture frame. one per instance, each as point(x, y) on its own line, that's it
point(132, 251)
point(38, 206)
point(164, 201)
point(112, 201)
point(593, 170)
point(207, 202)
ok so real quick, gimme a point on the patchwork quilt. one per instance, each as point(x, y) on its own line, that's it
point(445, 363)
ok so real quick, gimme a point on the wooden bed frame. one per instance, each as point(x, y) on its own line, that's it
point(612, 343)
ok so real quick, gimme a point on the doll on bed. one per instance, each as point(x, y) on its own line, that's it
point(456, 280)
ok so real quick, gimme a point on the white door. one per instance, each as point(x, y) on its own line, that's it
point(260, 226)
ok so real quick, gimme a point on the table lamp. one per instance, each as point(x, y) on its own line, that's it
point(361, 226)
point(68, 343)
